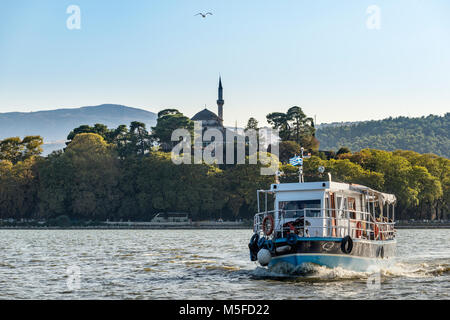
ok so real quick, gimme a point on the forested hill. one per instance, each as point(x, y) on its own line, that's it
point(54, 125)
point(429, 134)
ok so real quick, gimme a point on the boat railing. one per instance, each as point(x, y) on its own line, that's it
point(324, 222)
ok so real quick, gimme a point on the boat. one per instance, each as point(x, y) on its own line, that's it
point(326, 223)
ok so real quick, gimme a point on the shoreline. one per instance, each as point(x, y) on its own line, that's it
point(131, 228)
point(185, 227)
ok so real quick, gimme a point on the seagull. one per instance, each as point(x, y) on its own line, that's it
point(203, 14)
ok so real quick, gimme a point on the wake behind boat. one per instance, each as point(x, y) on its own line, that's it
point(326, 223)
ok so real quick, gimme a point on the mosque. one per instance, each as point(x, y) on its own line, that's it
point(210, 119)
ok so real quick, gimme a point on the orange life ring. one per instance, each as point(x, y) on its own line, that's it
point(268, 231)
point(376, 231)
point(358, 229)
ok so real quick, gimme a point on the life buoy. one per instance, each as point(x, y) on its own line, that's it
point(358, 229)
point(347, 244)
point(268, 230)
point(376, 231)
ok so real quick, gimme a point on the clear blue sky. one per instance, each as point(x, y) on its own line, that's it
point(271, 54)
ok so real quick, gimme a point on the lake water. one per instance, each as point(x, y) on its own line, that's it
point(201, 264)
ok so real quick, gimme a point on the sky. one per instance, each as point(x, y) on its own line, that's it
point(337, 60)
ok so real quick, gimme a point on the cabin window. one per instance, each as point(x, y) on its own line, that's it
point(296, 209)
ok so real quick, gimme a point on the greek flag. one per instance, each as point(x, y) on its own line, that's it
point(296, 161)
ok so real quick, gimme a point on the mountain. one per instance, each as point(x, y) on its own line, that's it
point(55, 125)
point(429, 134)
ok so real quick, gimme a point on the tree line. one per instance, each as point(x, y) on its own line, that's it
point(429, 134)
point(127, 173)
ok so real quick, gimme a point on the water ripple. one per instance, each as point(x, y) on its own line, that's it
point(192, 264)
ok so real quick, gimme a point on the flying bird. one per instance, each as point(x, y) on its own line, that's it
point(203, 14)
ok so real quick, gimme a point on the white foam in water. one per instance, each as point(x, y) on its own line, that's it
point(416, 270)
point(308, 271)
point(311, 271)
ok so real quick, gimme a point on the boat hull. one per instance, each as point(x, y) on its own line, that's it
point(366, 255)
point(353, 263)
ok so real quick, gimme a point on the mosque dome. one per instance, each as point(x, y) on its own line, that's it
point(208, 116)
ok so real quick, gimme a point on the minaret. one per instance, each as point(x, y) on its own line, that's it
point(220, 102)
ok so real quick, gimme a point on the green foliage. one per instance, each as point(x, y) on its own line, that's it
point(115, 174)
point(136, 140)
point(420, 182)
point(168, 121)
point(342, 150)
point(288, 149)
point(18, 190)
point(82, 181)
point(252, 123)
point(295, 126)
point(15, 150)
point(425, 135)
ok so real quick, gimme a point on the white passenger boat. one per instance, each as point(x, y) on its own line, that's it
point(326, 223)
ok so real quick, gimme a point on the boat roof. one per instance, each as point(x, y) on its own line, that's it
point(331, 186)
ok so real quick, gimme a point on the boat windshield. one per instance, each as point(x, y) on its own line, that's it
point(295, 209)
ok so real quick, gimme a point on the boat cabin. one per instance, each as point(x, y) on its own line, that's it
point(328, 209)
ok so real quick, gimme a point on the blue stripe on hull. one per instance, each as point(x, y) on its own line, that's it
point(331, 261)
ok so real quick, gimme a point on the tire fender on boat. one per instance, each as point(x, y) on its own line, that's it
point(291, 239)
point(347, 244)
point(270, 245)
point(254, 239)
point(253, 246)
point(381, 252)
point(261, 242)
point(283, 249)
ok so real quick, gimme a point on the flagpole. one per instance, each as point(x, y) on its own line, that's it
point(298, 161)
point(300, 169)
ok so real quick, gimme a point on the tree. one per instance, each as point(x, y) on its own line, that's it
point(280, 122)
point(288, 149)
point(15, 150)
point(342, 150)
point(295, 126)
point(82, 181)
point(11, 149)
point(168, 121)
point(302, 126)
point(17, 189)
point(98, 128)
point(252, 123)
point(424, 134)
point(140, 139)
point(32, 146)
